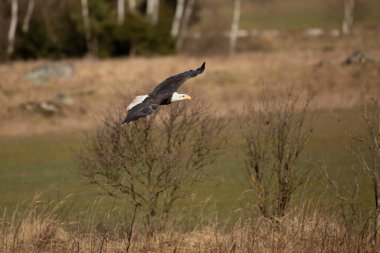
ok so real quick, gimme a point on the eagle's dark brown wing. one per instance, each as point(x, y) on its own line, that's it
point(172, 83)
point(140, 111)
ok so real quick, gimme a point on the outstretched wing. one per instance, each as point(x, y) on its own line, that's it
point(140, 111)
point(172, 83)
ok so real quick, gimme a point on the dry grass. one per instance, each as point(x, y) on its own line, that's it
point(229, 83)
point(36, 231)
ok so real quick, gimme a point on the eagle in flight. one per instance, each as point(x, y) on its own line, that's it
point(165, 93)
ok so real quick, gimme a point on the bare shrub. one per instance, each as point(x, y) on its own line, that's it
point(348, 207)
point(365, 146)
point(370, 156)
point(151, 162)
point(275, 134)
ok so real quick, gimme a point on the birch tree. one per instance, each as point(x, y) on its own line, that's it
point(120, 11)
point(348, 18)
point(185, 24)
point(132, 5)
point(235, 26)
point(152, 11)
point(12, 26)
point(28, 16)
point(86, 24)
point(177, 18)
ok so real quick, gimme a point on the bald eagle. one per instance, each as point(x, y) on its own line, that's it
point(165, 93)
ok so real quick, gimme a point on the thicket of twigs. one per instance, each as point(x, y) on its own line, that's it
point(150, 163)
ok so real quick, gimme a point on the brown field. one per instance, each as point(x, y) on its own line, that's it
point(48, 231)
point(229, 83)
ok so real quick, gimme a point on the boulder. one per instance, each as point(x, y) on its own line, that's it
point(357, 57)
point(41, 74)
point(47, 108)
point(314, 32)
point(65, 99)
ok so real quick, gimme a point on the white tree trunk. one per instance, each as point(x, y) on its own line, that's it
point(177, 18)
point(185, 23)
point(28, 16)
point(348, 18)
point(152, 11)
point(132, 5)
point(12, 27)
point(235, 26)
point(120, 11)
point(86, 24)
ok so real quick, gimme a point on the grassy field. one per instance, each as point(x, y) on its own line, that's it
point(46, 164)
point(289, 14)
point(38, 150)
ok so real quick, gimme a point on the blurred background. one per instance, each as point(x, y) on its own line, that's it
point(60, 29)
point(63, 63)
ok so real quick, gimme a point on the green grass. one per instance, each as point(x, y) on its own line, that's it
point(290, 14)
point(46, 164)
point(38, 164)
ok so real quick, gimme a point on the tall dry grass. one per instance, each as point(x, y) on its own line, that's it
point(47, 228)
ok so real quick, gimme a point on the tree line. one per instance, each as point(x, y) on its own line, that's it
point(58, 29)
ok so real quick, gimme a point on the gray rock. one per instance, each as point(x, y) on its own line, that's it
point(40, 75)
point(29, 106)
point(65, 99)
point(357, 57)
point(48, 108)
point(314, 32)
point(270, 33)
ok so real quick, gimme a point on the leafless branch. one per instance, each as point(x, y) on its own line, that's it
point(275, 135)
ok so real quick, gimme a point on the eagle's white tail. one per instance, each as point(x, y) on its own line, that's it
point(137, 100)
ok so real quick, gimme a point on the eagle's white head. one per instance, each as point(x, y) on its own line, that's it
point(178, 97)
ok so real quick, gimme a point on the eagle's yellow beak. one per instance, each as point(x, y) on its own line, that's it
point(188, 97)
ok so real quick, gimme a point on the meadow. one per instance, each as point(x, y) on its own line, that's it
point(46, 164)
point(292, 14)
point(38, 151)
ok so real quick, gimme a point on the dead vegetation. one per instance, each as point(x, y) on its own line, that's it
point(40, 228)
point(152, 161)
point(275, 134)
point(364, 146)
